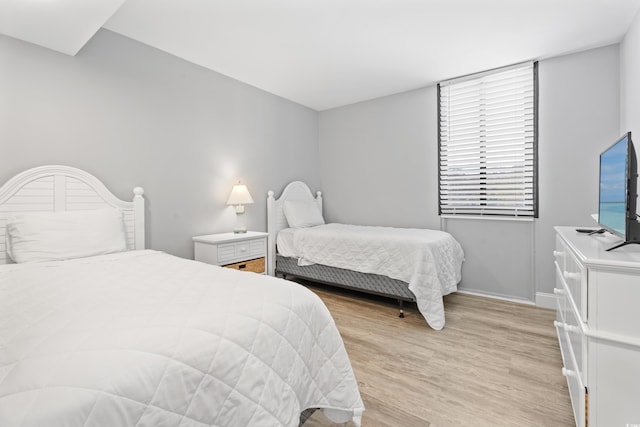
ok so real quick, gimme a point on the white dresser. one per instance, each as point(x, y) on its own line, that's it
point(598, 326)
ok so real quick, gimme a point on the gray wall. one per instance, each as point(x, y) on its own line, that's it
point(378, 161)
point(630, 82)
point(579, 118)
point(378, 164)
point(630, 86)
point(133, 115)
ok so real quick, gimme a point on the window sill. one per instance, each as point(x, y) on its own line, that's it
point(490, 218)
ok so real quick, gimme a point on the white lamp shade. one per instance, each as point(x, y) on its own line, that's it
point(239, 195)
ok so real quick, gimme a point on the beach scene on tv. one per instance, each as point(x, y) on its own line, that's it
point(613, 187)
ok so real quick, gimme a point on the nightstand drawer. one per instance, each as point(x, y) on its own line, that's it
point(230, 252)
point(254, 265)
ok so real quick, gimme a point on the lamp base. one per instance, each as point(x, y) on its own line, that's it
point(239, 230)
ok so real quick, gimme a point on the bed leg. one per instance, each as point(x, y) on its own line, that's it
point(401, 307)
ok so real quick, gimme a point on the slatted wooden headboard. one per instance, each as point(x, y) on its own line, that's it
point(276, 221)
point(62, 188)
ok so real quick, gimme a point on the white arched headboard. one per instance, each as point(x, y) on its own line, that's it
point(276, 221)
point(58, 188)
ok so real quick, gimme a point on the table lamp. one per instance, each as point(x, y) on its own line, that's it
point(239, 197)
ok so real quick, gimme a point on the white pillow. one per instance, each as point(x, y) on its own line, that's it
point(302, 214)
point(53, 236)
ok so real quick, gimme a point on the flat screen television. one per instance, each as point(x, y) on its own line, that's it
point(618, 191)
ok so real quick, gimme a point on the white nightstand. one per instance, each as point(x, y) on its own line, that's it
point(241, 251)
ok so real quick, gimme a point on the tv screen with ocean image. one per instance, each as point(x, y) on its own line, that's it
point(613, 187)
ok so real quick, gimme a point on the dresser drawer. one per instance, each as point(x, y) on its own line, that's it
point(560, 252)
point(560, 292)
point(577, 390)
point(569, 322)
point(576, 340)
point(230, 252)
point(559, 308)
point(575, 277)
point(577, 393)
point(254, 265)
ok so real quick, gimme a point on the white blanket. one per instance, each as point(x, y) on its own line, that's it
point(429, 260)
point(147, 339)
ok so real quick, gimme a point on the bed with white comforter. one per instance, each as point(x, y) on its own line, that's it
point(142, 338)
point(430, 261)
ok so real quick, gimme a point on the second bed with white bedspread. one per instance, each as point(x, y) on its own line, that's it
point(430, 261)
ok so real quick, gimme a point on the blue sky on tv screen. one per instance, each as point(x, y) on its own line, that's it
point(613, 165)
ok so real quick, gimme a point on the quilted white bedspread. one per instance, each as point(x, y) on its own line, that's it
point(429, 260)
point(147, 339)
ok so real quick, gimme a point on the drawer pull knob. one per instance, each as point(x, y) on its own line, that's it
point(243, 249)
point(558, 253)
point(568, 372)
point(557, 324)
point(571, 276)
point(558, 291)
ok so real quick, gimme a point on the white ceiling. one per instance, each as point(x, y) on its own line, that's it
point(62, 25)
point(328, 53)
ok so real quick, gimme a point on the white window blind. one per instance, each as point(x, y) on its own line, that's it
point(488, 144)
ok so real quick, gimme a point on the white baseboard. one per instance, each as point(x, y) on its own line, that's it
point(545, 300)
point(499, 297)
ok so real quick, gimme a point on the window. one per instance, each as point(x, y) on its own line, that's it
point(487, 125)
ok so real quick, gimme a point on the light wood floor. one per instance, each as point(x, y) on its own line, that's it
point(495, 363)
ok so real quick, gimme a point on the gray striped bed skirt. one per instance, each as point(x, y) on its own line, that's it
point(363, 282)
